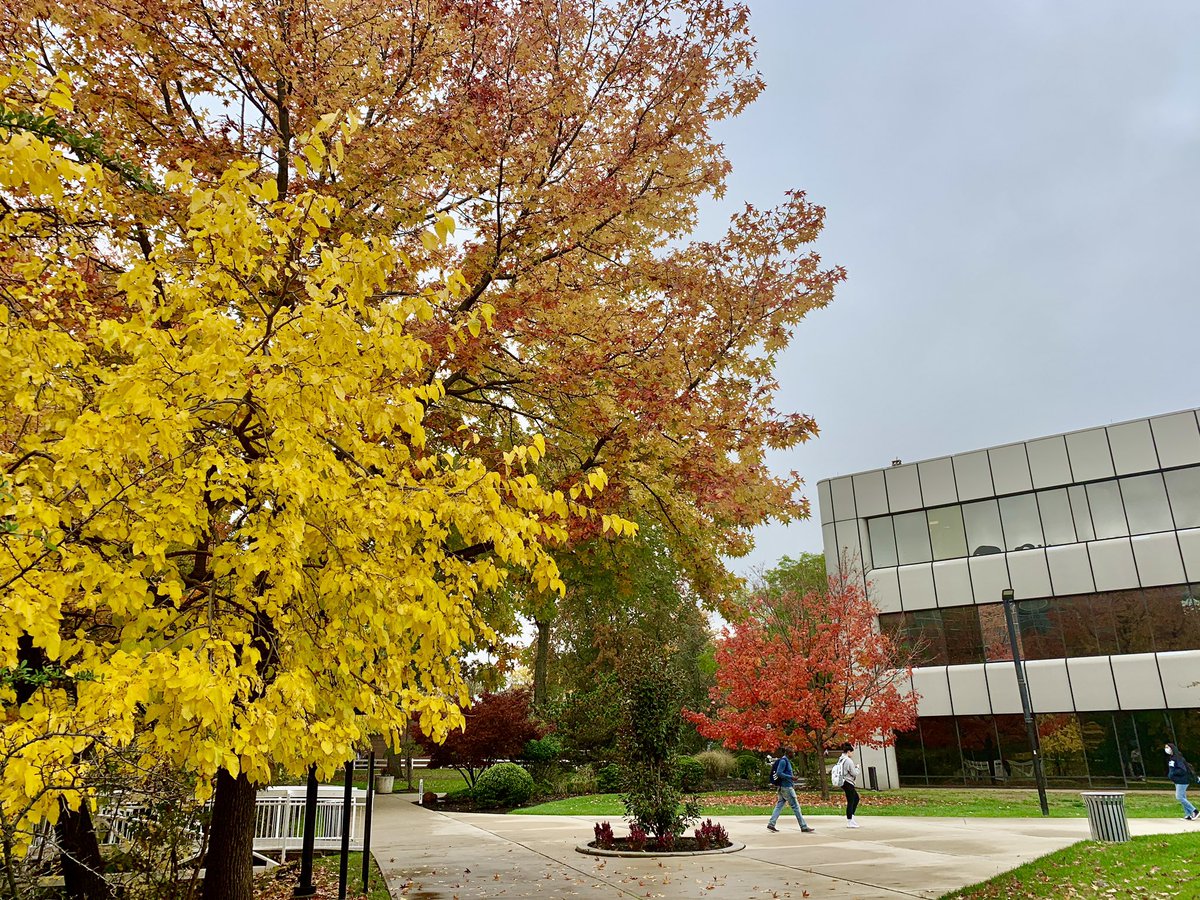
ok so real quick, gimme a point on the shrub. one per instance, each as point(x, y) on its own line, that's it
point(543, 750)
point(753, 767)
point(711, 834)
point(666, 841)
point(637, 837)
point(582, 781)
point(690, 772)
point(604, 835)
point(608, 779)
point(504, 784)
point(458, 796)
point(717, 763)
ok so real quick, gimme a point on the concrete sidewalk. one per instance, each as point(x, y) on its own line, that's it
point(440, 856)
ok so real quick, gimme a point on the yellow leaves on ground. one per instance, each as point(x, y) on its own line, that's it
point(222, 520)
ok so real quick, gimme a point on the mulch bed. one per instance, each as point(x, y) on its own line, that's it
point(280, 884)
point(682, 845)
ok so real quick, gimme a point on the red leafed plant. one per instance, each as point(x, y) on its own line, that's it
point(637, 837)
point(712, 835)
point(605, 839)
point(807, 671)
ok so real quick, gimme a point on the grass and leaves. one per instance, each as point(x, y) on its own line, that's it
point(1157, 866)
point(280, 883)
point(948, 802)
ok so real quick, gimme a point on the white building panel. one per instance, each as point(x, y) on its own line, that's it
point(969, 690)
point(824, 502)
point(903, 488)
point(973, 475)
point(1158, 559)
point(1138, 686)
point(1049, 685)
point(952, 581)
point(1048, 462)
point(1092, 683)
point(1132, 447)
point(989, 576)
point(884, 590)
point(850, 555)
point(829, 540)
point(1112, 564)
point(1002, 686)
point(1010, 469)
point(932, 686)
point(1180, 671)
point(1089, 455)
point(870, 495)
point(1189, 544)
point(1070, 570)
point(937, 482)
point(842, 490)
point(1029, 574)
point(1177, 439)
point(916, 586)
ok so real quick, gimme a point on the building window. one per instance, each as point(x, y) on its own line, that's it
point(883, 542)
point(1183, 487)
point(1108, 515)
point(912, 538)
point(1057, 524)
point(1146, 505)
point(1022, 525)
point(946, 532)
point(982, 521)
point(964, 642)
point(1081, 512)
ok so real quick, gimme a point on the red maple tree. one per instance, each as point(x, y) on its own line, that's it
point(498, 727)
point(808, 671)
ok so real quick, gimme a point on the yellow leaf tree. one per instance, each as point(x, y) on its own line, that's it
point(223, 538)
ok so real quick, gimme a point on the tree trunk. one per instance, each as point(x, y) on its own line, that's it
point(229, 865)
point(541, 663)
point(82, 865)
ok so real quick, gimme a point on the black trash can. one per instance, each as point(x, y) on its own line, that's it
point(1106, 816)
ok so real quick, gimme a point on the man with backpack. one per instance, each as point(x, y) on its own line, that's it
point(783, 778)
point(845, 775)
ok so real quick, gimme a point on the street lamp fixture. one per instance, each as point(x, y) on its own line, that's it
point(1039, 772)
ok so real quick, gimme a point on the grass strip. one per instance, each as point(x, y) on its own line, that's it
point(1156, 866)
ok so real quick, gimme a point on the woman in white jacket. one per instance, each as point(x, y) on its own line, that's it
point(850, 774)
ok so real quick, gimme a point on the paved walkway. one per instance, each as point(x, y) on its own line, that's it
point(442, 856)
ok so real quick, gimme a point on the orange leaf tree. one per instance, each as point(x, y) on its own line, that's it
point(806, 672)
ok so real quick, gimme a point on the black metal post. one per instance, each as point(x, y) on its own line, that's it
point(1039, 773)
point(348, 798)
point(306, 888)
point(366, 867)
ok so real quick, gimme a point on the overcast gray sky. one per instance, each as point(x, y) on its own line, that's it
point(1014, 189)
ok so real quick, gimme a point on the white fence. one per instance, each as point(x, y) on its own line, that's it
point(278, 820)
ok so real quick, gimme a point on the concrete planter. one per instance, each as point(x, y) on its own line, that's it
point(384, 783)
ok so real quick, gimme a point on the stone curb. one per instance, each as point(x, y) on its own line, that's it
point(639, 854)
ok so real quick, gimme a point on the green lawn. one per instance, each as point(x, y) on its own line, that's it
point(1154, 866)
point(905, 802)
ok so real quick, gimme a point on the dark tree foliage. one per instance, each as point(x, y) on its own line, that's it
point(499, 725)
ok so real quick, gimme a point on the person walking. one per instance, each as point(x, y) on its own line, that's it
point(783, 777)
point(1181, 775)
point(846, 774)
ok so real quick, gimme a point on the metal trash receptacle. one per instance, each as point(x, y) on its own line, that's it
point(1106, 815)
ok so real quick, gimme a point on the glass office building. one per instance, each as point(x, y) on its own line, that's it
point(1098, 534)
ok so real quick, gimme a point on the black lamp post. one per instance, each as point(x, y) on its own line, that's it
point(306, 888)
point(1039, 773)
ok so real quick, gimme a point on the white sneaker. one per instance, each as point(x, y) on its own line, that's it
point(850, 823)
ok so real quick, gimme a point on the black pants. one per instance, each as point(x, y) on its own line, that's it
point(851, 799)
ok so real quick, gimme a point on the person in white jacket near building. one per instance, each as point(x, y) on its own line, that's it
point(846, 774)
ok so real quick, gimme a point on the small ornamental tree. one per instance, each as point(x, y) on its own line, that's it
point(808, 671)
point(497, 727)
point(650, 730)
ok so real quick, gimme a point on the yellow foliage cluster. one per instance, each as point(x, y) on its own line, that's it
point(220, 516)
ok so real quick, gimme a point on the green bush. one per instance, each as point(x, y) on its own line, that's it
point(582, 781)
point(753, 767)
point(458, 796)
point(608, 779)
point(717, 763)
point(504, 784)
point(543, 750)
point(690, 772)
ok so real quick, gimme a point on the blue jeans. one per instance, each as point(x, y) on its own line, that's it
point(1181, 796)
point(787, 795)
